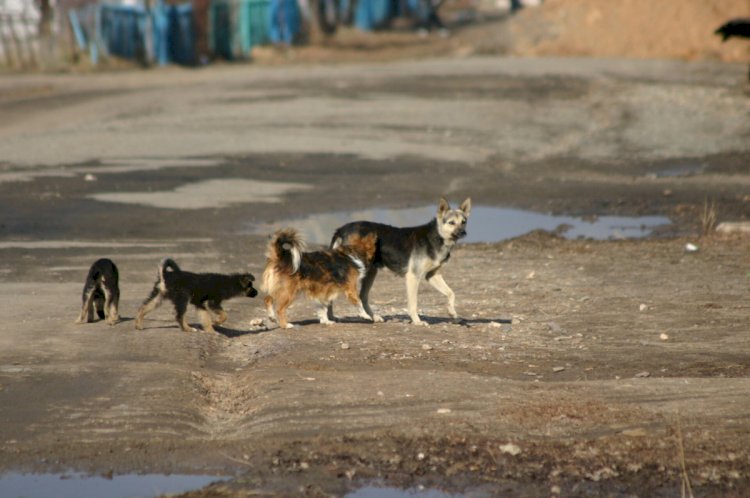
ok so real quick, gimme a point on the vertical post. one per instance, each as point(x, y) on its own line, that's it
point(46, 41)
point(16, 40)
point(5, 41)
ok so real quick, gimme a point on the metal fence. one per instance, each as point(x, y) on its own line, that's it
point(19, 39)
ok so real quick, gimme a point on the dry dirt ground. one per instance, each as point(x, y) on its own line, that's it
point(584, 368)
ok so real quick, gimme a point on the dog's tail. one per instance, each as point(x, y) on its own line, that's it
point(167, 264)
point(360, 248)
point(340, 238)
point(284, 255)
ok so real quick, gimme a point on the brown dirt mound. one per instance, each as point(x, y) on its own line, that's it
point(630, 28)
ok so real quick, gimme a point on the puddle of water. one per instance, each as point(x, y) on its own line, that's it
point(130, 165)
point(680, 170)
point(486, 224)
point(207, 194)
point(16, 485)
point(377, 492)
point(127, 165)
point(74, 244)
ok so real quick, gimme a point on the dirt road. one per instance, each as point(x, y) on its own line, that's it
point(584, 367)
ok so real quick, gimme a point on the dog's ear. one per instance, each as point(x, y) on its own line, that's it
point(246, 279)
point(443, 207)
point(466, 206)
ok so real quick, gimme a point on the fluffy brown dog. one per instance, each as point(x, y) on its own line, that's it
point(321, 275)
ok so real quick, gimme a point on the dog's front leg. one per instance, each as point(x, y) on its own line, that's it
point(322, 312)
point(180, 308)
point(412, 289)
point(437, 282)
point(206, 319)
point(221, 315)
point(110, 306)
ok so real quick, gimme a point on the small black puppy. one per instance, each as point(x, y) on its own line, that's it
point(101, 293)
point(205, 291)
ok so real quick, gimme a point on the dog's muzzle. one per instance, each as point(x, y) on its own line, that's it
point(251, 292)
point(460, 234)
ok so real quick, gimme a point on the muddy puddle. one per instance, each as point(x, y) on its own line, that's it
point(213, 193)
point(486, 223)
point(124, 165)
point(17, 485)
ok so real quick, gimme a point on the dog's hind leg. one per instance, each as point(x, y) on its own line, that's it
point(110, 305)
point(150, 304)
point(268, 301)
point(412, 290)
point(353, 297)
point(87, 309)
point(364, 294)
point(99, 305)
point(282, 305)
point(114, 308)
point(437, 282)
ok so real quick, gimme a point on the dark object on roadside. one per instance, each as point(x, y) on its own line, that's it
point(427, 17)
point(101, 293)
point(739, 28)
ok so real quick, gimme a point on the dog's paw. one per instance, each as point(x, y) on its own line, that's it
point(288, 326)
point(377, 319)
point(420, 323)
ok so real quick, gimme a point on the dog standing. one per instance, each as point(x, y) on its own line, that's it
point(205, 291)
point(413, 252)
point(101, 293)
point(321, 275)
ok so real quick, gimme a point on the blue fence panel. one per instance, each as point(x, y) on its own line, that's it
point(373, 14)
point(254, 14)
point(236, 26)
point(160, 35)
point(180, 34)
point(123, 31)
point(220, 21)
point(285, 21)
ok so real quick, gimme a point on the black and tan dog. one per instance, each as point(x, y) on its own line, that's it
point(413, 252)
point(205, 291)
point(101, 293)
point(321, 275)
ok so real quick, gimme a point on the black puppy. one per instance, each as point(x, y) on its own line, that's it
point(101, 293)
point(205, 291)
